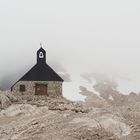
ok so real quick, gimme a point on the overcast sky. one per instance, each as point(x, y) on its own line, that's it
point(82, 36)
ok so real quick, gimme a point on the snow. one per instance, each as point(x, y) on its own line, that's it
point(128, 86)
point(71, 89)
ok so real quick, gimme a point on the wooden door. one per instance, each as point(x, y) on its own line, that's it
point(40, 89)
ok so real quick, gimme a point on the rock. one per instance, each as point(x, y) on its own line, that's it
point(35, 122)
point(4, 101)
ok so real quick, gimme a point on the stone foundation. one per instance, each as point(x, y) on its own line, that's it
point(54, 88)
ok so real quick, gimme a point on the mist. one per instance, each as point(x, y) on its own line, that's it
point(79, 37)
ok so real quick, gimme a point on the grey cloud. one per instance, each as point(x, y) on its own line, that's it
point(66, 77)
point(101, 79)
point(82, 36)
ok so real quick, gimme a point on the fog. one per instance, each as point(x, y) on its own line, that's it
point(79, 37)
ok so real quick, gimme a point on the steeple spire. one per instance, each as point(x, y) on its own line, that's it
point(41, 56)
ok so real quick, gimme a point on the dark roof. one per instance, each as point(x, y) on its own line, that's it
point(41, 73)
point(41, 49)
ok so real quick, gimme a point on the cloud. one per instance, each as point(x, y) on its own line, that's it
point(66, 77)
point(79, 37)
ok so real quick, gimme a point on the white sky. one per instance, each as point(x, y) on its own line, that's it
point(82, 35)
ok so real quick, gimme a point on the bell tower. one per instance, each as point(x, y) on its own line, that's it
point(41, 56)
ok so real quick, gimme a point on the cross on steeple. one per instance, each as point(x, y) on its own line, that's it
point(41, 45)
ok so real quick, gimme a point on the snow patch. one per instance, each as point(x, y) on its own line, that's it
point(71, 89)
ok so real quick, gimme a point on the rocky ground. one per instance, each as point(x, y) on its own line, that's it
point(114, 117)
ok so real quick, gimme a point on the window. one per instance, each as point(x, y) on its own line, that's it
point(22, 88)
point(41, 55)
